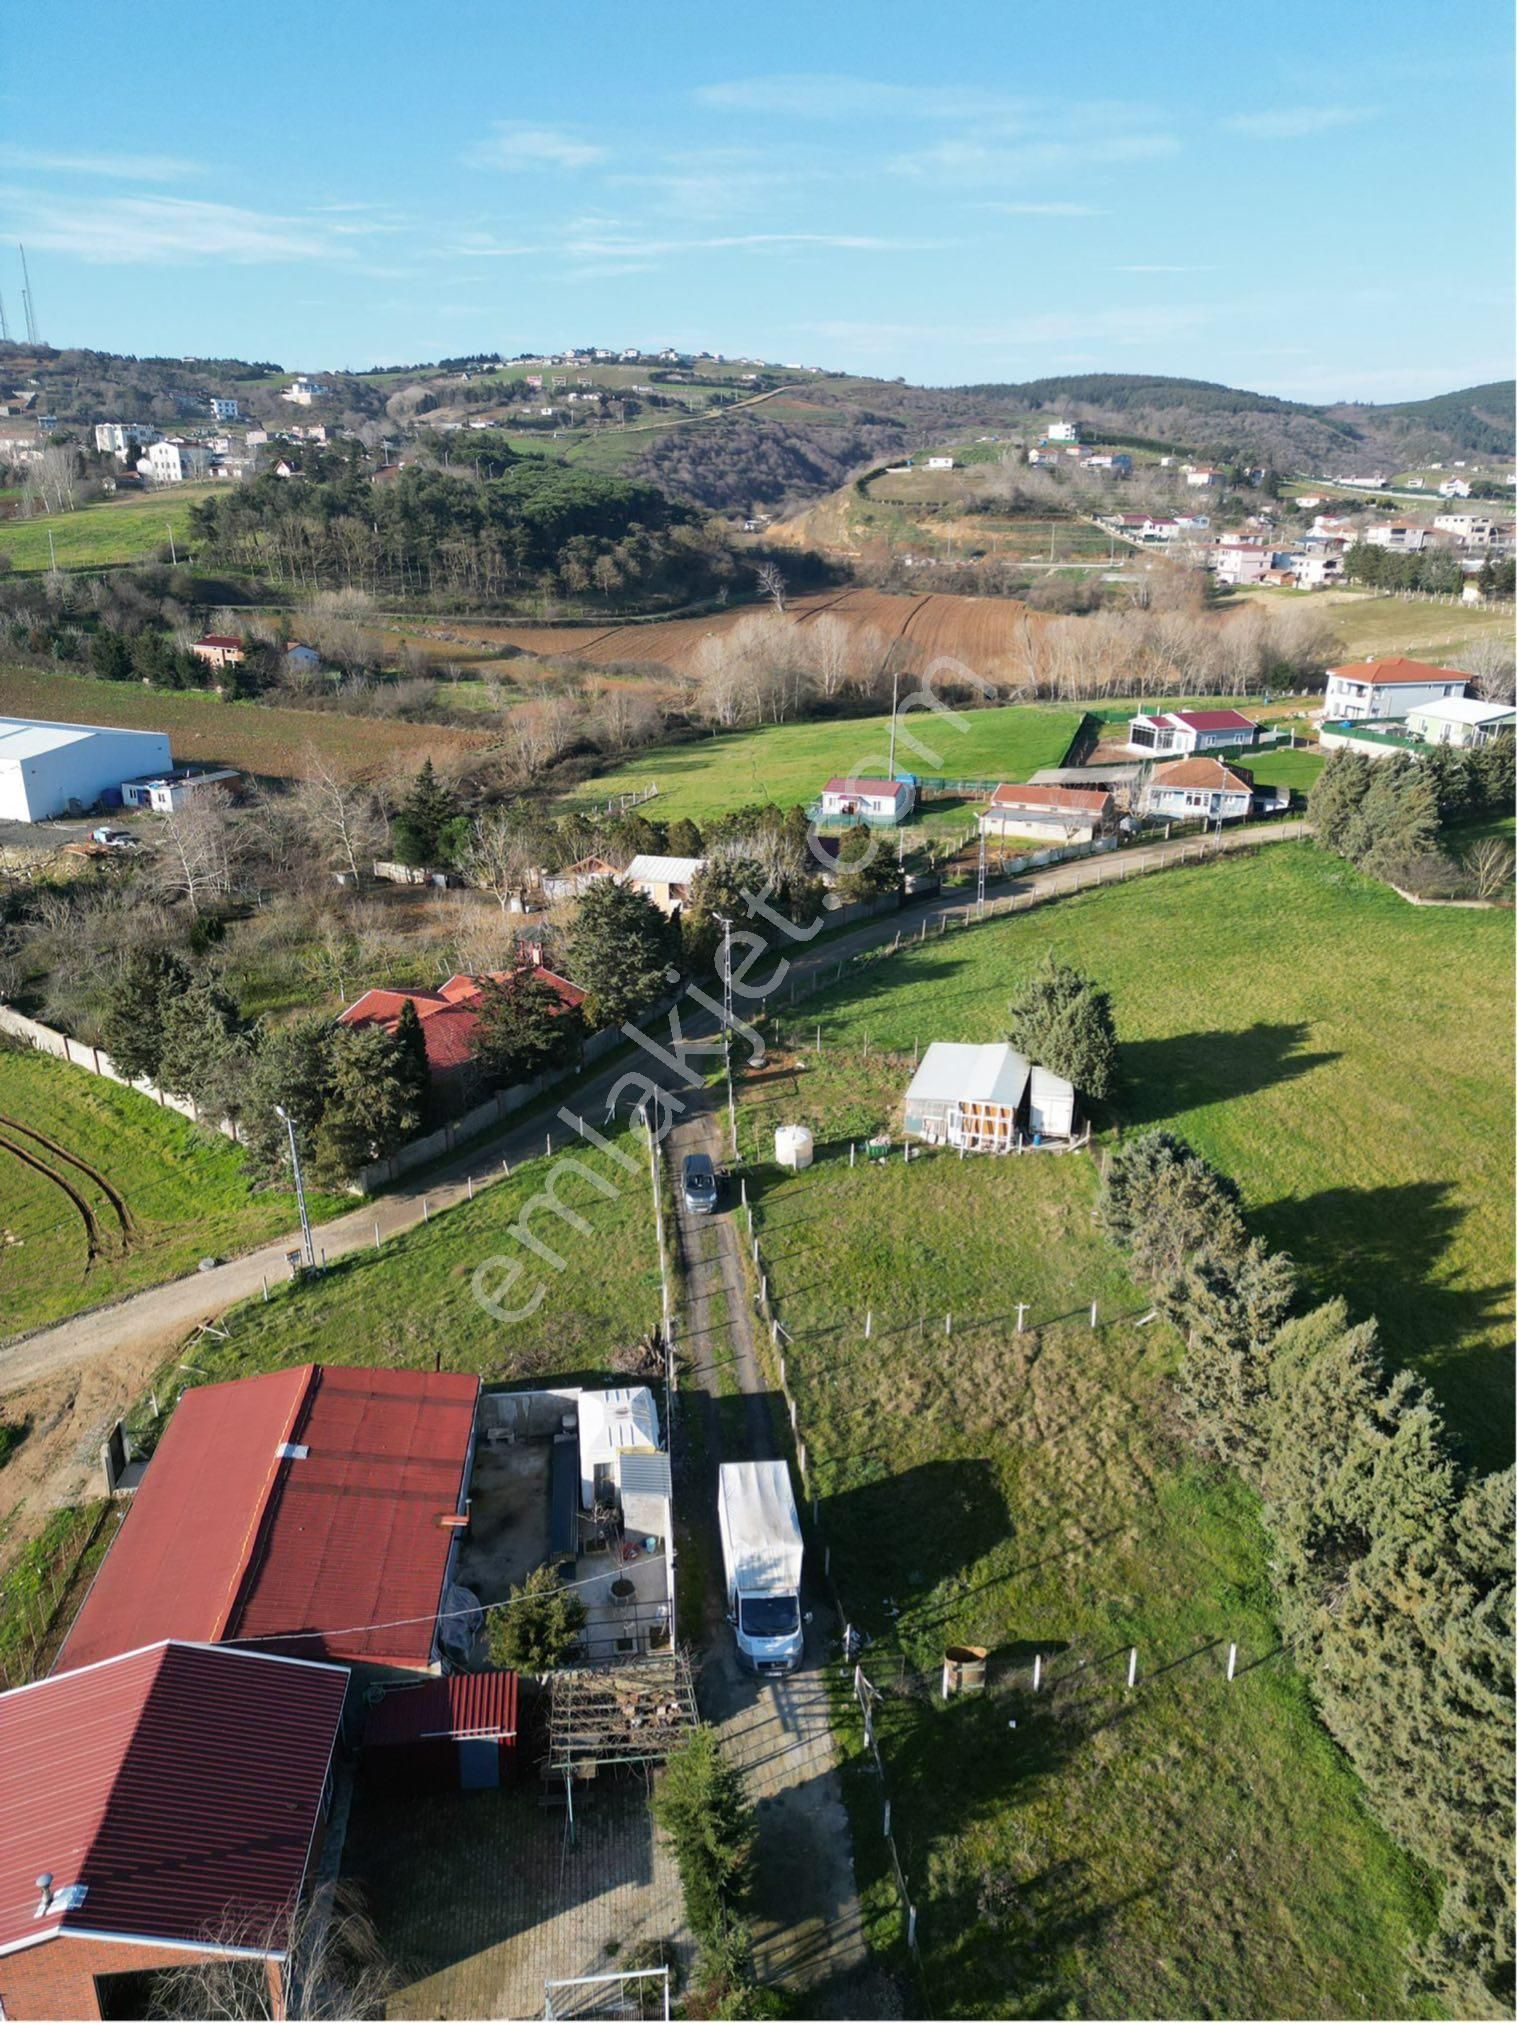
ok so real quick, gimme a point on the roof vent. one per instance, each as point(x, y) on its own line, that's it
point(289, 1450)
point(68, 1898)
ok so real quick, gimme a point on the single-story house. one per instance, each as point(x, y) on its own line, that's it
point(450, 1017)
point(219, 649)
point(1191, 730)
point(286, 1511)
point(576, 878)
point(1461, 720)
point(454, 1732)
point(868, 800)
point(1049, 814)
point(298, 654)
point(986, 1099)
point(664, 880)
point(1387, 688)
point(148, 1803)
point(173, 790)
point(1198, 789)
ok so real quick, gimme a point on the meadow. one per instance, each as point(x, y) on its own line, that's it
point(789, 763)
point(128, 527)
point(183, 1192)
point(1195, 1847)
point(1345, 1057)
point(1367, 623)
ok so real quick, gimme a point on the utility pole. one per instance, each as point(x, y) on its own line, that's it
point(895, 690)
point(27, 305)
point(52, 552)
point(727, 1024)
point(980, 894)
point(168, 527)
point(300, 1193)
point(5, 329)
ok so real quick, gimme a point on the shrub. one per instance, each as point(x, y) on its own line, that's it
point(1063, 1021)
point(539, 1629)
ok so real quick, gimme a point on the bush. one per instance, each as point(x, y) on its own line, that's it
point(702, 1804)
point(539, 1630)
point(1063, 1021)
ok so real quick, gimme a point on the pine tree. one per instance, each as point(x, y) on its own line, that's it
point(1063, 1021)
point(702, 1804)
point(132, 1028)
point(539, 1630)
point(204, 1047)
point(618, 951)
point(425, 815)
point(1170, 1211)
point(370, 1109)
point(1232, 1309)
point(411, 1046)
point(524, 1027)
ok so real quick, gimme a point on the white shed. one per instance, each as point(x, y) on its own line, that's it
point(45, 768)
point(1050, 1105)
point(613, 1424)
point(868, 800)
point(986, 1098)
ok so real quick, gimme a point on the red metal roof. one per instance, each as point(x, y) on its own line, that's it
point(889, 788)
point(464, 1703)
point(229, 1540)
point(1212, 719)
point(1081, 800)
point(181, 1785)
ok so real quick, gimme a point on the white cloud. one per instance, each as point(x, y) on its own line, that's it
point(821, 95)
point(1044, 210)
point(156, 231)
point(115, 167)
point(969, 164)
point(516, 146)
point(616, 246)
point(1297, 122)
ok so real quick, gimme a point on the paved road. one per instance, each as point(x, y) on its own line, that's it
point(808, 1927)
point(162, 1315)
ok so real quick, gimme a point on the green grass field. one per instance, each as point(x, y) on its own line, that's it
point(1347, 1058)
point(787, 763)
point(131, 527)
point(1192, 1849)
point(183, 1191)
point(412, 1304)
point(1368, 624)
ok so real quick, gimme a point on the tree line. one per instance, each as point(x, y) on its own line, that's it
point(1397, 817)
point(1392, 1563)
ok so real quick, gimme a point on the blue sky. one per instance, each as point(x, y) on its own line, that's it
point(1310, 200)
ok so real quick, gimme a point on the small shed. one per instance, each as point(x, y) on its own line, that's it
point(1050, 1105)
point(456, 1732)
point(664, 880)
point(986, 1099)
point(612, 1424)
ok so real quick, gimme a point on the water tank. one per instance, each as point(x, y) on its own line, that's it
point(794, 1146)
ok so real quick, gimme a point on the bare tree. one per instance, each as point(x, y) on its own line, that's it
point(498, 859)
point(1490, 865)
point(536, 732)
point(1490, 661)
point(333, 1966)
point(772, 583)
point(340, 816)
point(199, 847)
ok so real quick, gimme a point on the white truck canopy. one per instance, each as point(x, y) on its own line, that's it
point(761, 1534)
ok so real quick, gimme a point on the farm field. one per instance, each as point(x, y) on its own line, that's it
point(1264, 1006)
point(259, 738)
point(1368, 624)
point(160, 1194)
point(412, 1304)
point(789, 763)
point(130, 527)
point(1193, 1848)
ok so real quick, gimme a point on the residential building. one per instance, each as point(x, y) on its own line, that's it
point(172, 463)
point(314, 1512)
point(449, 1018)
point(1365, 689)
point(886, 801)
point(149, 1803)
point(219, 650)
point(1454, 488)
point(1398, 536)
point(664, 880)
point(120, 438)
point(298, 654)
point(986, 1099)
point(302, 391)
point(1202, 477)
point(165, 793)
point(49, 769)
point(1048, 814)
point(1118, 462)
point(1312, 571)
point(1461, 720)
point(938, 463)
point(577, 878)
point(224, 410)
point(1063, 432)
point(1198, 789)
point(1473, 530)
point(1240, 563)
point(1191, 730)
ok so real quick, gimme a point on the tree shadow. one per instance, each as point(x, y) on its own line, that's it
point(907, 1532)
point(1162, 1079)
point(1385, 1250)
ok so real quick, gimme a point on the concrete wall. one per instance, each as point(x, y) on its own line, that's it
point(95, 1061)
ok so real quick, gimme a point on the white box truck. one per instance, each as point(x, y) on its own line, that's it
point(761, 1550)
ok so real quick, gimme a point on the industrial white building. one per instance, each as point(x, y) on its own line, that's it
point(47, 769)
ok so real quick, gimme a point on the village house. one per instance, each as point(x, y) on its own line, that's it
point(150, 1802)
point(664, 880)
point(1454, 488)
point(1191, 730)
point(224, 410)
point(1398, 536)
point(1461, 720)
point(1387, 688)
point(1063, 432)
point(302, 391)
point(1048, 814)
point(1203, 477)
point(886, 801)
point(1473, 530)
point(219, 650)
point(256, 1521)
point(987, 1099)
point(1198, 789)
point(120, 438)
point(576, 879)
point(1238, 562)
point(449, 1020)
point(172, 463)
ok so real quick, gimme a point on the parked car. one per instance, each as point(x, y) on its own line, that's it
point(700, 1184)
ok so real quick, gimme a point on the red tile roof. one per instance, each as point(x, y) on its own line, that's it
point(464, 1703)
point(1396, 672)
point(180, 1784)
point(230, 1540)
point(889, 788)
point(1213, 719)
point(1210, 773)
point(447, 1020)
point(228, 640)
point(1078, 800)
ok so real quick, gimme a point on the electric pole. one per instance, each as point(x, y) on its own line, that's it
point(980, 894)
point(895, 689)
point(27, 305)
point(300, 1193)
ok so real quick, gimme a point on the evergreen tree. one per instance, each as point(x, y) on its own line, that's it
point(866, 865)
point(1334, 799)
point(524, 1028)
point(132, 1028)
point(423, 829)
point(1232, 1308)
point(110, 655)
point(702, 1804)
point(1171, 1212)
point(411, 1045)
point(539, 1630)
point(370, 1106)
point(684, 838)
point(1063, 1021)
point(291, 1071)
point(619, 949)
point(205, 1048)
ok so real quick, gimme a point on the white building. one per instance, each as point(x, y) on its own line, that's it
point(1191, 730)
point(612, 1424)
point(48, 768)
point(169, 791)
point(1471, 530)
point(224, 410)
point(1397, 536)
point(1052, 815)
point(1237, 563)
point(1313, 571)
point(119, 438)
point(868, 800)
point(302, 391)
point(937, 463)
point(1366, 689)
point(1203, 477)
point(1454, 488)
point(986, 1099)
point(664, 880)
point(170, 463)
point(1062, 432)
point(1198, 790)
point(1461, 721)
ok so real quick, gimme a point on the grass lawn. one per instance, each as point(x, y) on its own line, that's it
point(1347, 1058)
point(184, 1193)
point(129, 527)
point(1367, 623)
point(787, 763)
point(1192, 1849)
point(412, 1305)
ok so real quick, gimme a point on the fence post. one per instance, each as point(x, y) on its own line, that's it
point(1021, 1312)
point(1037, 1670)
point(470, 1178)
point(1093, 1313)
point(1232, 1660)
point(424, 1214)
point(868, 1322)
point(1132, 1668)
point(948, 1324)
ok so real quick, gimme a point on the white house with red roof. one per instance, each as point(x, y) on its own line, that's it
point(868, 800)
point(1363, 690)
point(1048, 814)
point(1184, 731)
point(155, 1808)
point(1198, 789)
